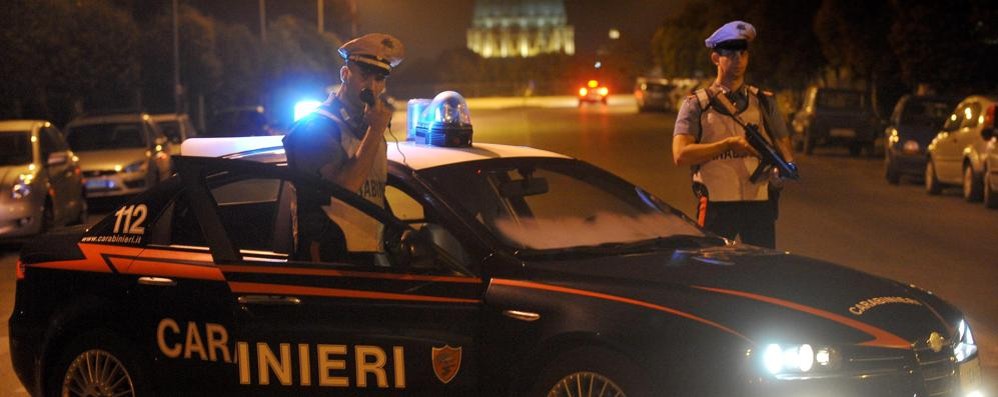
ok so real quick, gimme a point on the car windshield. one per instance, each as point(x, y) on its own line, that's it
point(90, 137)
point(557, 204)
point(840, 99)
point(171, 129)
point(15, 148)
point(929, 113)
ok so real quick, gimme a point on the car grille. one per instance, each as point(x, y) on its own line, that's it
point(938, 371)
point(93, 173)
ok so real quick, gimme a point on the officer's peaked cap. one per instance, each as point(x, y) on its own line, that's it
point(739, 33)
point(376, 50)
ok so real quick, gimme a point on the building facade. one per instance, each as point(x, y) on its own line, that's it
point(520, 28)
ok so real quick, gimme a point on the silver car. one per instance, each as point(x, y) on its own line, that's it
point(176, 127)
point(956, 155)
point(40, 179)
point(120, 154)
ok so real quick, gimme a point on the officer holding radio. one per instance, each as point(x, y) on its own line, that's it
point(708, 138)
point(343, 142)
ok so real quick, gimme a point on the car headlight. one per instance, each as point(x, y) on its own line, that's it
point(966, 347)
point(138, 166)
point(799, 359)
point(22, 186)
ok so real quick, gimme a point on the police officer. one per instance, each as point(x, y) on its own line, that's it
point(707, 138)
point(343, 142)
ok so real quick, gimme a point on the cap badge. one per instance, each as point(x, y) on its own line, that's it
point(741, 26)
point(388, 43)
point(936, 342)
point(446, 362)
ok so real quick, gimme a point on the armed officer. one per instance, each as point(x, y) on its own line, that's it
point(343, 142)
point(708, 138)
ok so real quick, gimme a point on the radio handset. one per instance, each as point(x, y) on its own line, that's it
point(367, 96)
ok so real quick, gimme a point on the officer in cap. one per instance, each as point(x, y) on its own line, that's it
point(343, 142)
point(708, 139)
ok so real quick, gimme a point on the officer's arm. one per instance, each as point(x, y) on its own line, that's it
point(686, 152)
point(354, 170)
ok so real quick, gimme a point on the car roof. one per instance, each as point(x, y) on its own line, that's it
point(167, 117)
point(19, 125)
point(110, 118)
point(414, 155)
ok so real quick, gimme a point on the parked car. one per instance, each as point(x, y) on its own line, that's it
point(990, 187)
point(654, 94)
point(121, 154)
point(239, 121)
point(176, 127)
point(956, 154)
point(593, 92)
point(833, 116)
point(913, 124)
point(40, 177)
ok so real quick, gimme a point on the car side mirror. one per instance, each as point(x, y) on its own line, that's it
point(56, 159)
point(987, 133)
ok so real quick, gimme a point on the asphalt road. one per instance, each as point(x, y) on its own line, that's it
point(842, 210)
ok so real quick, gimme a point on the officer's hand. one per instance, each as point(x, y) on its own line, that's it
point(740, 145)
point(377, 116)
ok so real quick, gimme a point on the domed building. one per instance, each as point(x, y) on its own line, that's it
point(520, 28)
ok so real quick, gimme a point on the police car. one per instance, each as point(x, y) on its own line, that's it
point(504, 271)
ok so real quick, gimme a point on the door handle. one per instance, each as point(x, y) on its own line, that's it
point(158, 281)
point(268, 300)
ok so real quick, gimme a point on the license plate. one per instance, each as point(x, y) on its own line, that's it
point(842, 132)
point(99, 184)
point(970, 375)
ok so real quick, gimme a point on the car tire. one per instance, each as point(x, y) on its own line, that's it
point(932, 185)
point(990, 196)
point(971, 184)
point(73, 375)
point(890, 171)
point(809, 141)
point(580, 371)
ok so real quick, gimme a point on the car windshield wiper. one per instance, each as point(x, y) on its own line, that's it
point(670, 242)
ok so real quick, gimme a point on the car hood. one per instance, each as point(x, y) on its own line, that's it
point(9, 174)
point(108, 159)
point(764, 295)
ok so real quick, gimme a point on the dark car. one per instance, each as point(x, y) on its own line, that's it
point(834, 117)
point(505, 271)
point(654, 94)
point(913, 124)
point(593, 92)
point(239, 121)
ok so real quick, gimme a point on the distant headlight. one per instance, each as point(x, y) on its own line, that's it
point(22, 186)
point(138, 166)
point(966, 348)
point(799, 359)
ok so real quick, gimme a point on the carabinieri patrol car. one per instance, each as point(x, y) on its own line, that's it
point(505, 271)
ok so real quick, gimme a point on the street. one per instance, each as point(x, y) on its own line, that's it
point(841, 210)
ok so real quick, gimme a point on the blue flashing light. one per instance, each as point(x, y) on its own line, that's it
point(303, 108)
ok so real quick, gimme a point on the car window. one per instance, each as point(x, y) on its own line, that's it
point(971, 115)
point(954, 119)
point(172, 130)
point(924, 112)
point(15, 148)
point(851, 100)
point(106, 136)
point(248, 210)
point(49, 143)
point(404, 206)
point(556, 204)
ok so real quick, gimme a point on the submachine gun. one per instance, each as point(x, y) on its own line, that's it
point(769, 156)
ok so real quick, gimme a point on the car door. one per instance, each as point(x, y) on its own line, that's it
point(60, 169)
point(364, 325)
point(946, 151)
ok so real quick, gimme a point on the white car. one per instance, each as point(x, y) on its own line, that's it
point(40, 179)
point(956, 155)
point(121, 154)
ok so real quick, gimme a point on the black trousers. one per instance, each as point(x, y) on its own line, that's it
point(753, 221)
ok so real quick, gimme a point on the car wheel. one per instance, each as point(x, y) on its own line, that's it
point(990, 195)
point(590, 372)
point(97, 364)
point(890, 171)
point(932, 185)
point(809, 141)
point(971, 184)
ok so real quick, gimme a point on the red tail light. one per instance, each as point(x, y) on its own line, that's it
point(989, 117)
point(20, 269)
